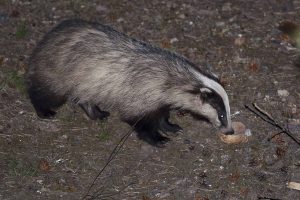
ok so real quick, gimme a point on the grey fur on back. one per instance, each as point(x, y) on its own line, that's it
point(90, 62)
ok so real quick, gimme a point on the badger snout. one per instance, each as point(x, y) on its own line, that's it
point(227, 131)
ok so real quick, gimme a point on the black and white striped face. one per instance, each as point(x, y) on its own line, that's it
point(214, 103)
point(214, 108)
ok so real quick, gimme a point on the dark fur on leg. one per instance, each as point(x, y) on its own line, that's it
point(147, 129)
point(44, 101)
point(153, 138)
point(168, 127)
point(93, 111)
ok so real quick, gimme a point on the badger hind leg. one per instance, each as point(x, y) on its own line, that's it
point(168, 127)
point(93, 111)
point(44, 101)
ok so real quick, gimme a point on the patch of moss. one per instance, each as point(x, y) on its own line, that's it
point(104, 134)
point(21, 31)
point(13, 79)
point(21, 168)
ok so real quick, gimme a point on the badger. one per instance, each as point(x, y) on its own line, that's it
point(105, 71)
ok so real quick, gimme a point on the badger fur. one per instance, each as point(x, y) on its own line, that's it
point(104, 70)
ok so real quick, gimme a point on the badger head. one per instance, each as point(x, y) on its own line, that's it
point(210, 101)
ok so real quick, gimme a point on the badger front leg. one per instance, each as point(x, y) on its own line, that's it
point(93, 111)
point(167, 127)
point(147, 129)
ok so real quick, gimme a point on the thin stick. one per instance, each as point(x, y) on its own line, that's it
point(264, 119)
point(112, 156)
point(267, 198)
point(113, 194)
point(263, 111)
point(271, 121)
point(275, 135)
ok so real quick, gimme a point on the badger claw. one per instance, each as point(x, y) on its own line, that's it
point(168, 128)
point(154, 138)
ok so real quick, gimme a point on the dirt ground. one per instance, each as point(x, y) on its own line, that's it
point(238, 39)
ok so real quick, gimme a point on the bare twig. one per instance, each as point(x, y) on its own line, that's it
point(263, 112)
point(275, 135)
point(267, 198)
point(110, 158)
point(257, 114)
point(269, 119)
point(103, 196)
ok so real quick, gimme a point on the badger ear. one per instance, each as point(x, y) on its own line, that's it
point(204, 92)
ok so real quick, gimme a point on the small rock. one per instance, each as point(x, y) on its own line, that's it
point(173, 40)
point(240, 40)
point(206, 12)
point(248, 132)
point(267, 98)
point(220, 24)
point(121, 19)
point(101, 9)
point(283, 93)
point(64, 136)
point(226, 7)
point(182, 16)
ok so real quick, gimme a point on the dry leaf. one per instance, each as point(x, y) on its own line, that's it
point(165, 43)
point(253, 66)
point(294, 185)
point(234, 177)
point(292, 30)
point(278, 139)
point(44, 165)
point(244, 191)
point(146, 198)
point(224, 81)
point(280, 151)
point(198, 197)
point(289, 28)
point(240, 41)
point(285, 38)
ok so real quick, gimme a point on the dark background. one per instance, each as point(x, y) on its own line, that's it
point(239, 40)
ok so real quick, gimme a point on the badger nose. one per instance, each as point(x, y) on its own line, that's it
point(228, 131)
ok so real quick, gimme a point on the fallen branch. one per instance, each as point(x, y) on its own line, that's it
point(110, 158)
point(269, 119)
point(267, 198)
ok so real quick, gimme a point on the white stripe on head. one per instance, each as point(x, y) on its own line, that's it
point(219, 89)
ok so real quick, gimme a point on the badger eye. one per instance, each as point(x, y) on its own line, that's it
point(222, 116)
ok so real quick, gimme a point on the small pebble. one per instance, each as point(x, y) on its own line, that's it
point(283, 93)
point(173, 40)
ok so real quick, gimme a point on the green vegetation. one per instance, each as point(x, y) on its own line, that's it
point(21, 168)
point(21, 31)
point(14, 79)
point(104, 134)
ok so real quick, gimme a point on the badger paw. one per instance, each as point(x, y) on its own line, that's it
point(46, 114)
point(154, 138)
point(93, 111)
point(171, 129)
